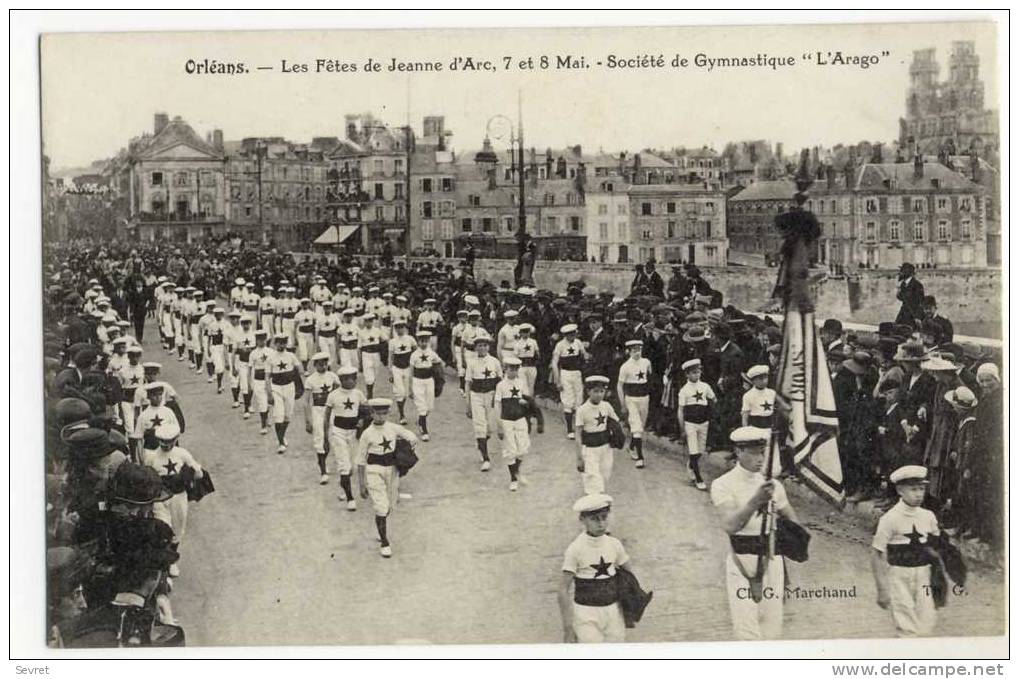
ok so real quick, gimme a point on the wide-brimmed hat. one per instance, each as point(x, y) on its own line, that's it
point(137, 484)
point(939, 364)
point(697, 333)
point(909, 352)
point(858, 363)
point(88, 443)
point(962, 397)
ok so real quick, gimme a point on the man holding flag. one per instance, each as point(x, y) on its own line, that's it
point(753, 507)
point(746, 500)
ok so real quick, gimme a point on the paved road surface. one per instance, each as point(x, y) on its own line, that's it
point(273, 558)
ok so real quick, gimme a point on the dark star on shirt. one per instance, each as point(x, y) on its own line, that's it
point(488, 372)
point(171, 467)
point(914, 536)
point(348, 405)
point(571, 351)
point(601, 568)
point(766, 407)
point(325, 389)
point(640, 376)
point(134, 380)
point(600, 419)
point(386, 443)
point(156, 421)
point(698, 396)
point(514, 392)
point(281, 365)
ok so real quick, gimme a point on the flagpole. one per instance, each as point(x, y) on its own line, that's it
point(793, 289)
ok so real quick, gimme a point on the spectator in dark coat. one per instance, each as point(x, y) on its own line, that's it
point(655, 284)
point(945, 331)
point(911, 295)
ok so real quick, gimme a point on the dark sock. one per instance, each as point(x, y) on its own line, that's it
point(180, 350)
point(462, 383)
point(638, 447)
point(399, 406)
point(695, 466)
point(369, 389)
point(209, 366)
point(247, 402)
point(423, 423)
point(380, 524)
point(280, 429)
point(219, 383)
point(321, 462)
point(265, 418)
point(345, 485)
point(513, 469)
point(568, 417)
point(483, 449)
point(284, 426)
point(191, 356)
point(236, 392)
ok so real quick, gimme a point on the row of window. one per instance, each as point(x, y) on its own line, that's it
point(549, 225)
point(621, 208)
point(277, 213)
point(672, 207)
point(269, 192)
point(866, 205)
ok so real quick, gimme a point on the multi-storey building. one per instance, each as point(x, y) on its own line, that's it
point(175, 184)
point(700, 165)
point(948, 114)
point(608, 220)
point(433, 191)
point(751, 214)
point(918, 212)
point(380, 156)
point(877, 215)
point(678, 223)
point(276, 190)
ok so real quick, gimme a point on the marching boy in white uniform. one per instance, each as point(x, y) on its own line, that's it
point(588, 593)
point(900, 559)
point(401, 346)
point(594, 454)
point(280, 388)
point(319, 385)
point(567, 365)
point(340, 419)
point(633, 386)
point(422, 364)
point(376, 466)
point(483, 373)
point(511, 411)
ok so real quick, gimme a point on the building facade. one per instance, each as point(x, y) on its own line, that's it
point(379, 156)
point(275, 190)
point(678, 223)
point(175, 184)
point(877, 215)
point(608, 220)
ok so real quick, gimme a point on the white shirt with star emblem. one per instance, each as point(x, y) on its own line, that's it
point(483, 371)
point(898, 525)
point(737, 486)
point(150, 418)
point(320, 385)
point(379, 439)
point(346, 405)
point(173, 461)
point(759, 402)
point(509, 403)
point(593, 418)
point(141, 397)
point(694, 398)
point(634, 372)
point(591, 558)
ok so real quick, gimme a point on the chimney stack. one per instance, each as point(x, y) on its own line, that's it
point(918, 166)
point(217, 140)
point(160, 121)
point(976, 173)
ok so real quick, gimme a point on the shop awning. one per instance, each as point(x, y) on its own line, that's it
point(334, 235)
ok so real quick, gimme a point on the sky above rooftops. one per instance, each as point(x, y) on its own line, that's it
point(99, 90)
